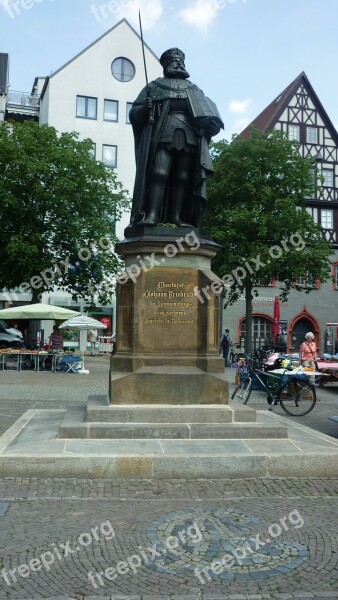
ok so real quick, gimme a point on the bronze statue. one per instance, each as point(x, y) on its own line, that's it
point(173, 123)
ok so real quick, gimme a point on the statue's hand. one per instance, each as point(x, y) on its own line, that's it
point(148, 103)
point(147, 107)
point(141, 112)
point(213, 127)
point(208, 126)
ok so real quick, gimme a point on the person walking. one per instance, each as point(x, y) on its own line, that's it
point(225, 345)
point(308, 351)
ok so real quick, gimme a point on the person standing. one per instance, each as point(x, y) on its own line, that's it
point(225, 345)
point(308, 351)
point(56, 339)
point(92, 339)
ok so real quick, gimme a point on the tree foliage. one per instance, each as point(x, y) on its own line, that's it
point(57, 206)
point(257, 214)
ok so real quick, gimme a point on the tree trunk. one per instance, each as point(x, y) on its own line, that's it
point(36, 295)
point(34, 324)
point(248, 316)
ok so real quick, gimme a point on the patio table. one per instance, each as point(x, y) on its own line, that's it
point(329, 371)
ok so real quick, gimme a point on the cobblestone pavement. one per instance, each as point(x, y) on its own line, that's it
point(147, 539)
point(277, 537)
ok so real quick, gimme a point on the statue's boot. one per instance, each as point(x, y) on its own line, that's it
point(177, 220)
point(151, 216)
point(148, 221)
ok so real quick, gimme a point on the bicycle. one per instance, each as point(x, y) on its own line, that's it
point(235, 355)
point(294, 392)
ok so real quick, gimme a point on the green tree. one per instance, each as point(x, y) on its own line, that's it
point(256, 212)
point(57, 212)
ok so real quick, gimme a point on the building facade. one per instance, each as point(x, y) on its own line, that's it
point(92, 95)
point(298, 112)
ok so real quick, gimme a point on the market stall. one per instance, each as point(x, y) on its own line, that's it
point(329, 366)
point(329, 370)
point(39, 361)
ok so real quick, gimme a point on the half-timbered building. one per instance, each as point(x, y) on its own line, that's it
point(298, 112)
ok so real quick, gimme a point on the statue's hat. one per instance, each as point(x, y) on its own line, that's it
point(169, 55)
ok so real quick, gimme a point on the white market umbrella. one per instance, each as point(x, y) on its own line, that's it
point(38, 311)
point(82, 323)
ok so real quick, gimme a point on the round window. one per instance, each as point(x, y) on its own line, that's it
point(123, 69)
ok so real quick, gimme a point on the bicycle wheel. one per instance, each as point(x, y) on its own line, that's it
point(242, 392)
point(298, 398)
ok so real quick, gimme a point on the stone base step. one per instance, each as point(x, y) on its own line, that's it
point(99, 410)
point(75, 426)
point(31, 448)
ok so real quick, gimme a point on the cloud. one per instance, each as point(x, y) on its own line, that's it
point(239, 106)
point(151, 11)
point(200, 14)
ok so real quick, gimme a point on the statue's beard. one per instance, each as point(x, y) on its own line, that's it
point(179, 73)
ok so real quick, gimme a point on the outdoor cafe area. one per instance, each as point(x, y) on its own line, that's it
point(53, 356)
point(39, 361)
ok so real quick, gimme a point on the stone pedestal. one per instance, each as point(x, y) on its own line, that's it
point(168, 321)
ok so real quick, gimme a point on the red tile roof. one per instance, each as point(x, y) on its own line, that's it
point(268, 117)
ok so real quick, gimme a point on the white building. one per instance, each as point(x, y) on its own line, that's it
point(92, 94)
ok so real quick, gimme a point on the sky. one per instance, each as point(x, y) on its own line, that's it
point(241, 53)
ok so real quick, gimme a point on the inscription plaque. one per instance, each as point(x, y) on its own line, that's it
point(169, 310)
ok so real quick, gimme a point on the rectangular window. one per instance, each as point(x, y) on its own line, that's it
point(328, 177)
point(313, 212)
point(293, 132)
point(313, 174)
point(128, 107)
point(86, 107)
point(111, 110)
point(326, 219)
point(306, 282)
point(93, 150)
point(109, 155)
point(312, 135)
point(335, 274)
point(301, 281)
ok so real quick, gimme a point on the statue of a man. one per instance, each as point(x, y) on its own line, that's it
point(173, 123)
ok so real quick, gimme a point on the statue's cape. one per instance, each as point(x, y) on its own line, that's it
point(165, 88)
point(147, 136)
